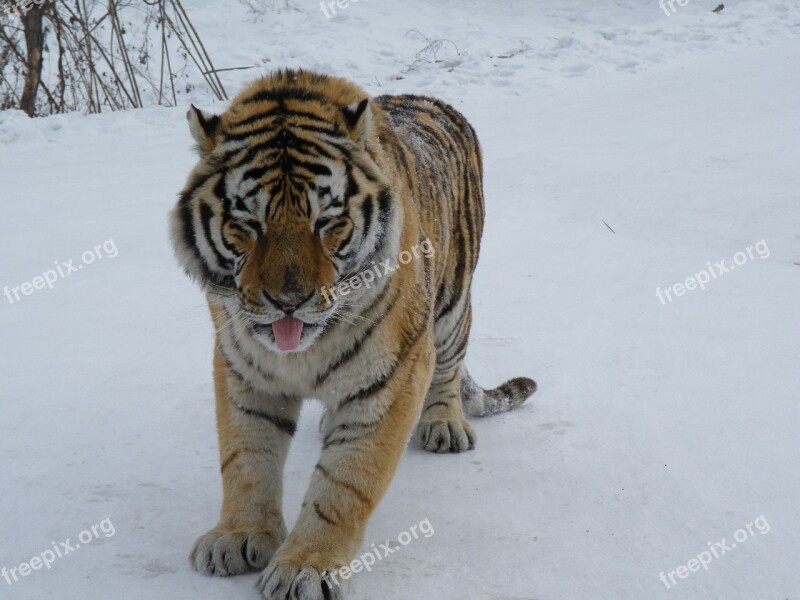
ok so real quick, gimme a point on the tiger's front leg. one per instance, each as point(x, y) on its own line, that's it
point(365, 438)
point(254, 434)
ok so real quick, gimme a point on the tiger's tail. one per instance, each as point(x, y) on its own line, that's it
point(478, 402)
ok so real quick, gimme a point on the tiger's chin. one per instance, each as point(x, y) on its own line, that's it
point(274, 339)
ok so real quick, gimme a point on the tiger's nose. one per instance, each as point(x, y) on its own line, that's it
point(288, 303)
point(289, 307)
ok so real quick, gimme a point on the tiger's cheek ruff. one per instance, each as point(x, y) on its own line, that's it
point(197, 234)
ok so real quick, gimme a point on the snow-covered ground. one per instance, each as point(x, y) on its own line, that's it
point(626, 151)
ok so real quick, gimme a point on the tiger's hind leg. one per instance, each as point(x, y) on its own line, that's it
point(442, 426)
point(453, 393)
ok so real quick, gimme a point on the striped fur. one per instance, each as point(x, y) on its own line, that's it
point(303, 182)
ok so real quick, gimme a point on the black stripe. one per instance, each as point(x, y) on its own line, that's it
point(435, 404)
point(228, 155)
point(294, 112)
point(273, 144)
point(255, 173)
point(251, 133)
point(475, 216)
point(285, 425)
point(348, 486)
point(366, 213)
point(221, 191)
point(454, 335)
point(365, 429)
point(458, 277)
point(190, 239)
point(311, 147)
point(384, 206)
point(343, 244)
point(400, 156)
point(437, 142)
point(284, 93)
point(351, 187)
point(467, 217)
point(228, 245)
point(255, 226)
point(320, 224)
point(449, 380)
point(375, 387)
point(268, 114)
point(206, 214)
point(323, 516)
point(384, 212)
point(457, 357)
point(237, 225)
point(327, 593)
point(195, 184)
point(458, 122)
point(340, 441)
point(314, 168)
point(238, 452)
point(252, 365)
point(230, 366)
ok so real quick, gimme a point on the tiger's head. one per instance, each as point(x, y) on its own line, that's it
point(287, 200)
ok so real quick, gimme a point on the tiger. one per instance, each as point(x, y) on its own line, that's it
point(304, 184)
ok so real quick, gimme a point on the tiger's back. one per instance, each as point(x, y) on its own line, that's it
point(440, 154)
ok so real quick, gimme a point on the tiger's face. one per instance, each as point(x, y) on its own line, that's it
point(285, 202)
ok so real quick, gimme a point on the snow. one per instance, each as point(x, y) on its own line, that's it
point(657, 428)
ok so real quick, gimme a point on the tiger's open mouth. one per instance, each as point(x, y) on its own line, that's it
point(286, 333)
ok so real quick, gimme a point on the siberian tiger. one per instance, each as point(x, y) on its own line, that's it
point(305, 184)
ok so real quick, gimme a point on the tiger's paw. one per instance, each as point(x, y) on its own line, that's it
point(311, 579)
point(446, 435)
point(224, 552)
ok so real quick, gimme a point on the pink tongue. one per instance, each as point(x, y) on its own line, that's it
point(287, 333)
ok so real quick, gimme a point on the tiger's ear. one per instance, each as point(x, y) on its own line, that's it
point(358, 117)
point(204, 127)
